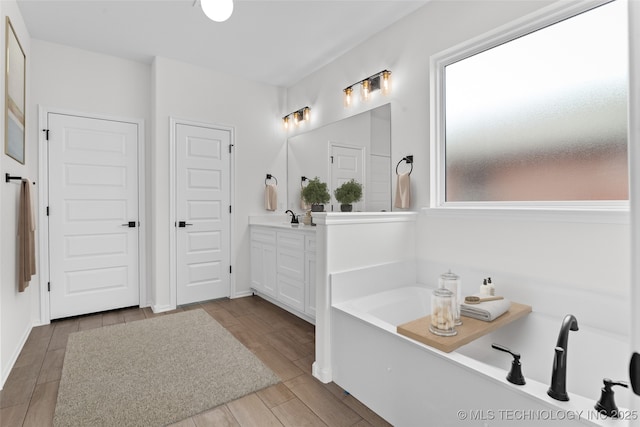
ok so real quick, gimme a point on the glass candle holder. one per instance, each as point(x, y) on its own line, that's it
point(452, 282)
point(442, 313)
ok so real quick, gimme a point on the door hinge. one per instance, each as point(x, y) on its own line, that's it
point(230, 270)
point(229, 208)
point(47, 210)
point(331, 159)
point(46, 133)
point(48, 286)
point(230, 146)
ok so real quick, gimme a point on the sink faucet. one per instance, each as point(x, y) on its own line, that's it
point(294, 218)
point(558, 389)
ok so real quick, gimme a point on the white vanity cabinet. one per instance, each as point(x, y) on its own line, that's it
point(283, 267)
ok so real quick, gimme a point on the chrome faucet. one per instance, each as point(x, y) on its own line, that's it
point(558, 389)
point(294, 218)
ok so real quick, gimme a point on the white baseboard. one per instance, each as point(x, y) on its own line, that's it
point(14, 357)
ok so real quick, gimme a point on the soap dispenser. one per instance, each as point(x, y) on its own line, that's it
point(606, 405)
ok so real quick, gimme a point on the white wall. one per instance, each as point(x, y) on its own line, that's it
point(572, 263)
point(16, 309)
point(254, 110)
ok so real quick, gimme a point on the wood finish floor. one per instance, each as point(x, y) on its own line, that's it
point(285, 343)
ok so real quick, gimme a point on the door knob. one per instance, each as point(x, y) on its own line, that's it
point(182, 224)
point(130, 224)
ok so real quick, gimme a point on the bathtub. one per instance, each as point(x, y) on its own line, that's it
point(411, 384)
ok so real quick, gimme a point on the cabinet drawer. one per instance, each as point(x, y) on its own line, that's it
point(310, 243)
point(263, 235)
point(291, 240)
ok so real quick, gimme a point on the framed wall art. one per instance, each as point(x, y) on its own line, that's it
point(15, 88)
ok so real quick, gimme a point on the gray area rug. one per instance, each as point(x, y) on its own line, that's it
point(154, 372)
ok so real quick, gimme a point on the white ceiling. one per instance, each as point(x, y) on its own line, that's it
point(274, 42)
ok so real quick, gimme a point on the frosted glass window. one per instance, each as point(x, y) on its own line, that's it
point(542, 117)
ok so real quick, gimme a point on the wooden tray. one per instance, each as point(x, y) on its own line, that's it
point(469, 330)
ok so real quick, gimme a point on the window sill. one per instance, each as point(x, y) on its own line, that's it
point(609, 215)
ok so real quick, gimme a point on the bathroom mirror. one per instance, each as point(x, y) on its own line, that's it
point(357, 147)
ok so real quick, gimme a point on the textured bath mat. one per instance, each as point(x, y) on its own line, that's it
point(154, 372)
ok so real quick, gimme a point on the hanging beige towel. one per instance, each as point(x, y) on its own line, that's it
point(26, 241)
point(403, 191)
point(270, 197)
point(303, 205)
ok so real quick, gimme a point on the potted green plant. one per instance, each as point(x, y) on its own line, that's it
point(348, 193)
point(315, 193)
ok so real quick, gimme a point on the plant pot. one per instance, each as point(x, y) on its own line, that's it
point(346, 208)
point(317, 208)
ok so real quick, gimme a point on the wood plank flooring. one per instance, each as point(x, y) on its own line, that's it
point(285, 343)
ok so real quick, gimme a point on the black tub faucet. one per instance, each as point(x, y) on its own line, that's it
point(294, 218)
point(558, 389)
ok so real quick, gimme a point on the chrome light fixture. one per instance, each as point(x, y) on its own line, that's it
point(301, 115)
point(217, 10)
point(378, 81)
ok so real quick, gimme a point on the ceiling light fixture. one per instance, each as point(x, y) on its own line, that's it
point(380, 80)
point(217, 10)
point(301, 115)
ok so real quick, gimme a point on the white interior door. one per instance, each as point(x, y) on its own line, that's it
point(347, 163)
point(202, 213)
point(93, 215)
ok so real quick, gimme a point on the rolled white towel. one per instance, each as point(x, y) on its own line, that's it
point(487, 310)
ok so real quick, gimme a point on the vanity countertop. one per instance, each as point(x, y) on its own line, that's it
point(281, 222)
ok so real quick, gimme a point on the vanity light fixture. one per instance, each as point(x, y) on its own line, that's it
point(301, 115)
point(217, 10)
point(380, 80)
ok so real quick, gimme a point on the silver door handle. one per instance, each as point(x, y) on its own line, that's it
point(182, 224)
point(130, 224)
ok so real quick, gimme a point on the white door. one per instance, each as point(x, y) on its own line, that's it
point(346, 163)
point(93, 215)
point(202, 213)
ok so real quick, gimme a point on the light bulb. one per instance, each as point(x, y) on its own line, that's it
point(386, 82)
point(347, 96)
point(296, 118)
point(285, 121)
point(306, 113)
point(365, 90)
point(217, 10)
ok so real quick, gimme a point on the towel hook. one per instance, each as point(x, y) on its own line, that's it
point(9, 178)
point(269, 176)
point(302, 180)
point(409, 160)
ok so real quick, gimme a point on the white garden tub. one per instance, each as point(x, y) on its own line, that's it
point(411, 384)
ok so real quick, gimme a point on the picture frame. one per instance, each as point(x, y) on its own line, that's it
point(15, 91)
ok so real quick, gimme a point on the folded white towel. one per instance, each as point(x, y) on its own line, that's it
point(487, 310)
point(270, 197)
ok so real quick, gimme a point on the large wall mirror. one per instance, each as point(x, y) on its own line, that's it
point(358, 147)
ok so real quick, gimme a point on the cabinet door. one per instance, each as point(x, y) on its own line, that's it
point(291, 291)
point(291, 263)
point(257, 263)
point(291, 274)
point(310, 283)
point(269, 269)
point(263, 268)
